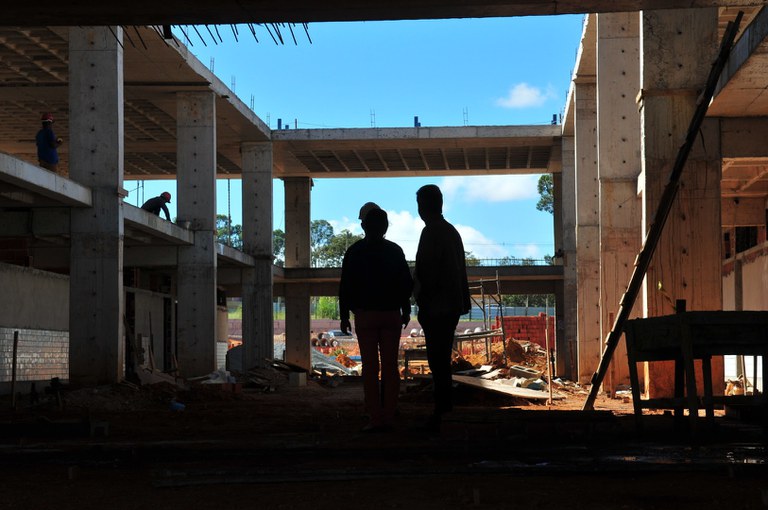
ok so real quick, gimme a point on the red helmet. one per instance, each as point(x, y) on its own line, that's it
point(166, 196)
point(47, 117)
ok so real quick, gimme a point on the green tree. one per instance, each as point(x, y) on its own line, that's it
point(332, 253)
point(226, 233)
point(278, 247)
point(529, 300)
point(470, 259)
point(327, 308)
point(320, 235)
point(546, 199)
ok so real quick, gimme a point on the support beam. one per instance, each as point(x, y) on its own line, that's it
point(587, 229)
point(618, 81)
point(179, 12)
point(297, 255)
point(678, 49)
point(743, 212)
point(258, 324)
point(567, 348)
point(196, 287)
point(96, 340)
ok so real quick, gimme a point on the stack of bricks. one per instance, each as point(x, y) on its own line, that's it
point(529, 329)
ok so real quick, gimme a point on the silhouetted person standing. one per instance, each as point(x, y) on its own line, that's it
point(47, 145)
point(157, 204)
point(376, 287)
point(441, 291)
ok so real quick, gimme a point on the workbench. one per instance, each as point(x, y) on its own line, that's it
point(698, 335)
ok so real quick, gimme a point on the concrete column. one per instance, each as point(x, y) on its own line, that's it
point(96, 334)
point(196, 287)
point(587, 229)
point(567, 347)
point(619, 163)
point(678, 47)
point(258, 325)
point(297, 254)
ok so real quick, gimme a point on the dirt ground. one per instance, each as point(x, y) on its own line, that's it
point(293, 447)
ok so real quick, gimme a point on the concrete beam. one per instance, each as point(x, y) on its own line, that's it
point(687, 262)
point(232, 256)
point(175, 12)
point(151, 256)
point(297, 255)
point(196, 282)
point(567, 343)
point(619, 164)
point(46, 222)
point(139, 219)
point(96, 338)
point(39, 181)
point(740, 137)
point(744, 73)
point(258, 323)
point(470, 134)
point(742, 212)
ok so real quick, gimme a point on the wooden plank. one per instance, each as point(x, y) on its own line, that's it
point(505, 388)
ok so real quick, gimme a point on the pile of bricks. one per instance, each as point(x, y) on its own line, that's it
point(529, 329)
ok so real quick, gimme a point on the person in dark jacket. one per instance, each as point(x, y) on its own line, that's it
point(376, 287)
point(441, 291)
point(155, 205)
point(47, 145)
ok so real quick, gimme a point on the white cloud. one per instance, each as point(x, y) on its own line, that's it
point(492, 188)
point(523, 95)
point(523, 251)
point(346, 224)
point(405, 230)
point(480, 246)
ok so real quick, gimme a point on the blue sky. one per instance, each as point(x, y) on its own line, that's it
point(500, 71)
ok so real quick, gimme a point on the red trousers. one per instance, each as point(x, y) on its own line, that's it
point(378, 334)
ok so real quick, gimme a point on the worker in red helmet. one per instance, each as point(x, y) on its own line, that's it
point(47, 145)
point(155, 205)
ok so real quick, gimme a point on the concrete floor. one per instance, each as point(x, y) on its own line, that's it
point(302, 448)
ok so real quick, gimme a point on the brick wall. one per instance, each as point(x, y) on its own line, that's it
point(41, 354)
point(529, 329)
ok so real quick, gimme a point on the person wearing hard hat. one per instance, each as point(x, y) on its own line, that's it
point(366, 208)
point(47, 145)
point(155, 205)
point(376, 287)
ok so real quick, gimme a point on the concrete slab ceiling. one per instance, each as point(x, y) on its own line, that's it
point(34, 78)
point(149, 12)
point(26, 185)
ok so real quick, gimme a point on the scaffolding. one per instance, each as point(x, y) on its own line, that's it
point(485, 294)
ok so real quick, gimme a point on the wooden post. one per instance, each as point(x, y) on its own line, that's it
point(549, 363)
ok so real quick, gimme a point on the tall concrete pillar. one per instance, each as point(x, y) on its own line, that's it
point(567, 347)
point(96, 334)
point(297, 254)
point(678, 47)
point(619, 163)
point(258, 325)
point(587, 228)
point(196, 199)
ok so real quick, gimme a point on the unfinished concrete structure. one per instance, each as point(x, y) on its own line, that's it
point(150, 109)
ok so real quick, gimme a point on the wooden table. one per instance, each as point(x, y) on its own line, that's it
point(685, 337)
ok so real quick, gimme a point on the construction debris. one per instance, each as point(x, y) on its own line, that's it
point(524, 380)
